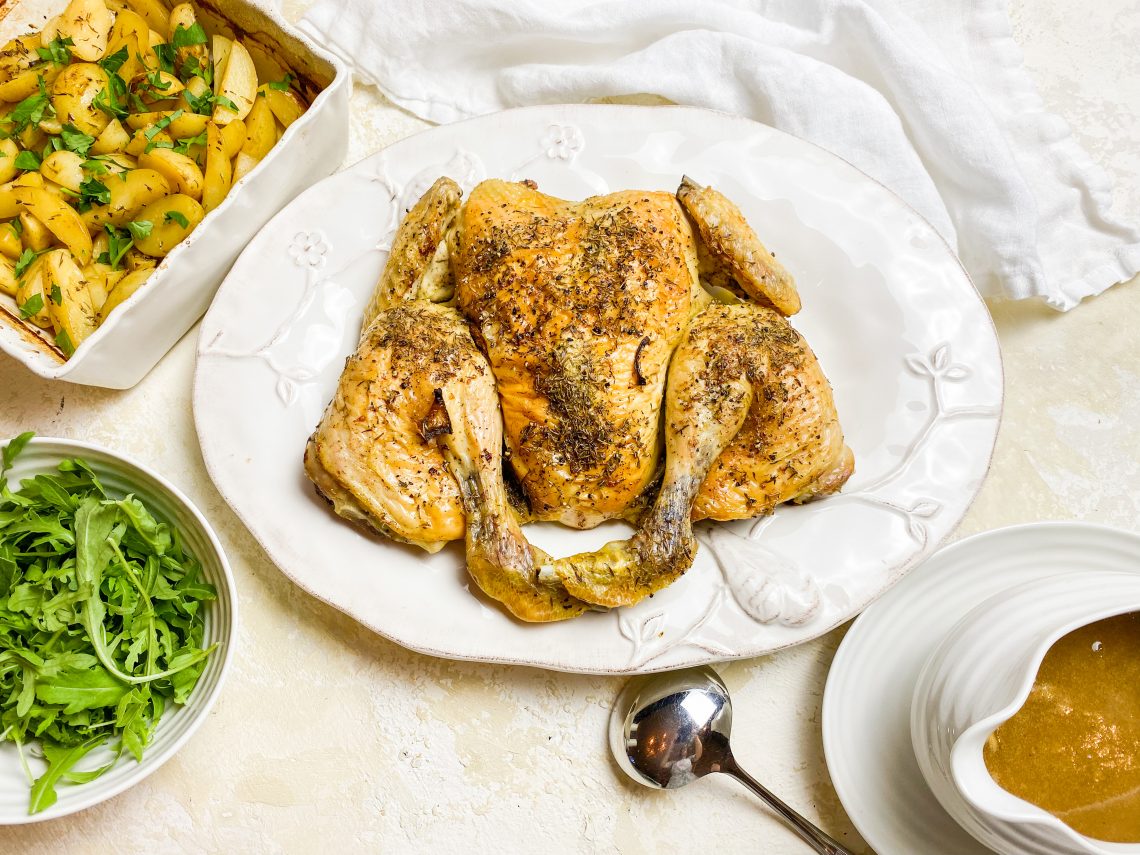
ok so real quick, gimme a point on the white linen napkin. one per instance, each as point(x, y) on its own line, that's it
point(927, 96)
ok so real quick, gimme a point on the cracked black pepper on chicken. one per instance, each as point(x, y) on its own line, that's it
point(529, 358)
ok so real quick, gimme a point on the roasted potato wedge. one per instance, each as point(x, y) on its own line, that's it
point(238, 86)
point(9, 151)
point(285, 104)
point(73, 97)
point(123, 290)
point(69, 301)
point(180, 171)
point(218, 174)
point(130, 193)
point(10, 243)
point(31, 298)
point(171, 219)
point(62, 220)
point(88, 24)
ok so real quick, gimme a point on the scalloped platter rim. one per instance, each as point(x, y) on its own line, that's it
point(906, 340)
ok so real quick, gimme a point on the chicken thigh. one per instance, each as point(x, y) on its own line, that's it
point(749, 423)
point(411, 444)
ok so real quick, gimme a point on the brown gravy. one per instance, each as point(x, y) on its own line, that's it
point(1073, 749)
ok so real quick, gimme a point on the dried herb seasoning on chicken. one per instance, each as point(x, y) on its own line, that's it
point(631, 351)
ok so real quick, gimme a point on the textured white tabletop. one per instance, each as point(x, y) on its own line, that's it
point(328, 738)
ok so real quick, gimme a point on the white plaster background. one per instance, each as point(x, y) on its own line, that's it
point(328, 738)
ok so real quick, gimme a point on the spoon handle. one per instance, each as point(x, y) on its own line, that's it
point(812, 834)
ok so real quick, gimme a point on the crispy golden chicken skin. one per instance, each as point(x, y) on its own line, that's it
point(749, 423)
point(732, 253)
point(581, 336)
point(368, 455)
point(579, 306)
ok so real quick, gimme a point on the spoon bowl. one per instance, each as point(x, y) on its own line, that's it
point(668, 730)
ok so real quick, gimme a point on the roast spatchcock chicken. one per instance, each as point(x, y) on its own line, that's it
point(528, 358)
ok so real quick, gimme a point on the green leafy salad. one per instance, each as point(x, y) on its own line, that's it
point(101, 622)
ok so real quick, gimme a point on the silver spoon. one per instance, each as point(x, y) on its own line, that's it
point(670, 729)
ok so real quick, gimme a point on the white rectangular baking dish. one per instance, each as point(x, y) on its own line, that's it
point(140, 331)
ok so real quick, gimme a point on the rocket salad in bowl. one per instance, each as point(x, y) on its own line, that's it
point(115, 603)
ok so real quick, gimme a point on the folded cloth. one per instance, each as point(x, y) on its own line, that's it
point(927, 96)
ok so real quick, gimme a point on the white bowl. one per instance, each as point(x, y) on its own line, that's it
point(140, 331)
point(121, 475)
point(979, 677)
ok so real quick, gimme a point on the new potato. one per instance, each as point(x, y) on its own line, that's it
point(125, 141)
point(167, 231)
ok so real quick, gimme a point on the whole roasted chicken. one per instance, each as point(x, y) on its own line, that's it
point(529, 358)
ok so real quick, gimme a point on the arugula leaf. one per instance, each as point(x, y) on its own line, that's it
point(12, 450)
point(81, 690)
point(177, 217)
point(28, 160)
point(101, 621)
point(59, 763)
point(189, 36)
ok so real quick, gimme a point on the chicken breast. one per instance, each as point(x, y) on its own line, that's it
point(579, 306)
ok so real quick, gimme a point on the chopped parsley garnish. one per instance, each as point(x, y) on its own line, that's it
point(161, 125)
point(56, 51)
point(202, 104)
point(24, 261)
point(112, 63)
point(184, 145)
point(118, 242)
point(75, 140)
point(189, 36)
point(63, 342)
point(56, 294)
point(32, 110)
point(166, 56)
point(28, 160)
point(177, 217)
point(140, 229)
point(225, 102)
point(92, 192)
point(281, 85)
point(33, 305)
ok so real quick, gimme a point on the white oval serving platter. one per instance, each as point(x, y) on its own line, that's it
point(905, 339)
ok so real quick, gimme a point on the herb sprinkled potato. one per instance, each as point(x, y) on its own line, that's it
point(122, 124)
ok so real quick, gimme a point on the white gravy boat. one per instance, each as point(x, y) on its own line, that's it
point(980, 676)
